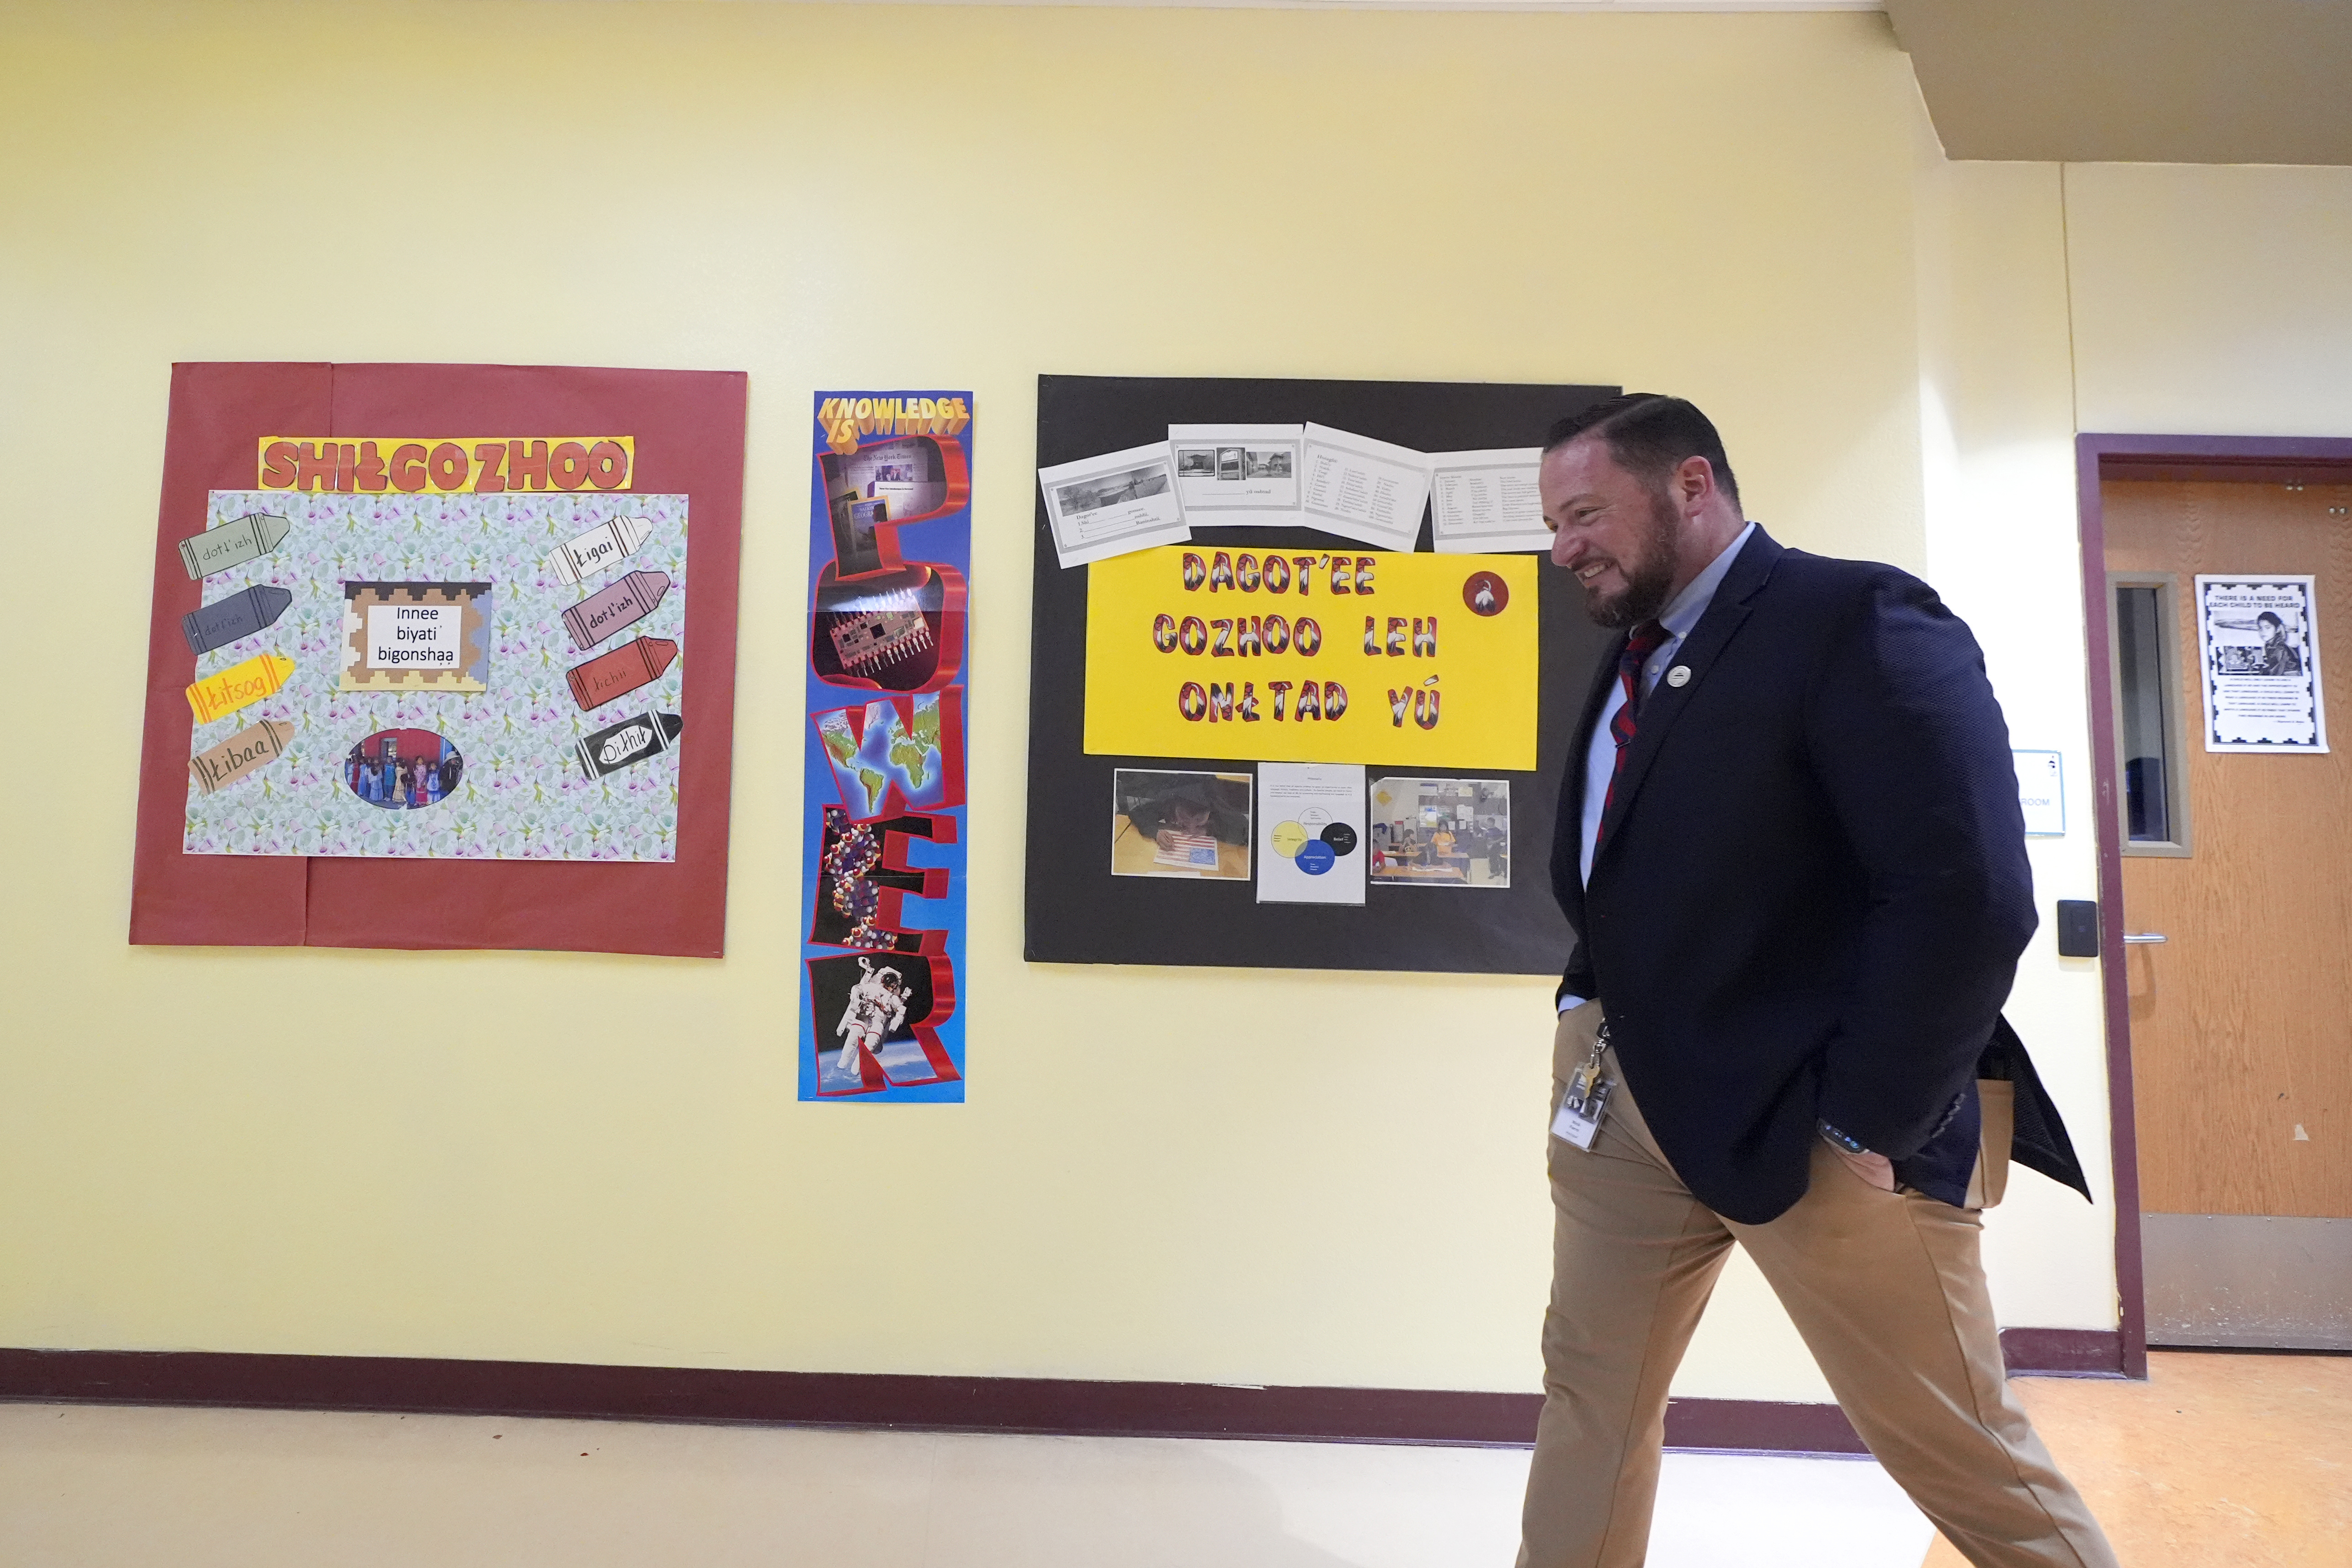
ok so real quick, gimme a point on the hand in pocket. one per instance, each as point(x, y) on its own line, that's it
point(1876, 1169)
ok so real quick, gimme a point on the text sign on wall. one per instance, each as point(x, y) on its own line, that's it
point(445, 465)
point(1313, 655)
point(2040, 793)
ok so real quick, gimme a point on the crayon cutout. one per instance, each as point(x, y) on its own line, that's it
point(242, 613)
point(606, 544)
point(617, 605)
point(621, 672)
point(232, 543)
point(615, 747)
point(261, 676)
point(248, 751)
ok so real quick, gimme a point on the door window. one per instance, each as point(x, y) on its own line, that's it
point(2147, 717)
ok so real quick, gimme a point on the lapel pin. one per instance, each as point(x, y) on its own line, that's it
point(1678, 675)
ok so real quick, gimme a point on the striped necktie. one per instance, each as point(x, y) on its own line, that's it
point(1647, 638)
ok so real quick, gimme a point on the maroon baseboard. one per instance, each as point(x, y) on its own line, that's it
point(2063, 1353)
point(1759, 1426)
point(1026, 1404)
point(1034, 1404)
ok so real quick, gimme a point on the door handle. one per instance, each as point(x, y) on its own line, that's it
point(2141, 936)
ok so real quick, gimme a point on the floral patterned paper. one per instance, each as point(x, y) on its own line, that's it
point(524, 794)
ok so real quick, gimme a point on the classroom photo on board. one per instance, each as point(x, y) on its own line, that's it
point(1440, 833)
point(403, 770)
point(1179, 824)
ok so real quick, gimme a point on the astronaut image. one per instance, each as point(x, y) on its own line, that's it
point(877, 1005)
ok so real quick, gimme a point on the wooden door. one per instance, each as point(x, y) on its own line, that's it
point(2241, 1018)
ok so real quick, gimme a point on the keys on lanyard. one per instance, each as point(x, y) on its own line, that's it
point(1587, 1100)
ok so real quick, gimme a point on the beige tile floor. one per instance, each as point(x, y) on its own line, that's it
point(2218, 1461)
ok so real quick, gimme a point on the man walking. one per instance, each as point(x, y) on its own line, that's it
point(1790, 847)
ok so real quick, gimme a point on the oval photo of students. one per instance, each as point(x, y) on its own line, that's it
point(403, 770)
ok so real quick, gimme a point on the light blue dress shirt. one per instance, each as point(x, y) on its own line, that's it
point(1681, 615)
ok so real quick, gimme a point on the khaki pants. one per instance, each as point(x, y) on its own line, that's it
point(1885, 1286)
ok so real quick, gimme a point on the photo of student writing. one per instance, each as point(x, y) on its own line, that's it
point(1179, 824)
point(1442, 832)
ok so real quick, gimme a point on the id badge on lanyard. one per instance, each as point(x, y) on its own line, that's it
point(1587, 1101)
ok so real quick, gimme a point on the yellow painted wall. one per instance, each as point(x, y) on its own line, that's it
point(1997, 454)
point(2212, 300)
point(1240, 1177)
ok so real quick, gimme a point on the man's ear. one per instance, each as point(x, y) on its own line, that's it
point(1693, 480)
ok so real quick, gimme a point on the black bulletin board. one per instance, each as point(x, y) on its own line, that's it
point(1076, 911)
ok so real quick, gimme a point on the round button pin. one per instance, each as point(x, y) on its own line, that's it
point(1678, 675)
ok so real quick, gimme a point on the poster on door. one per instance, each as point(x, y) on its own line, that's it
point(2258, 641)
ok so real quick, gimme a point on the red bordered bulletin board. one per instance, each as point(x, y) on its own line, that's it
point(689, 430)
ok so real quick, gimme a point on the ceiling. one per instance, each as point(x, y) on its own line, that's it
point(2139, 81)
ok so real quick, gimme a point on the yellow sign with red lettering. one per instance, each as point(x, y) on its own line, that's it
point(1314, 657)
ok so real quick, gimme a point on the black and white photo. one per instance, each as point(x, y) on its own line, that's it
point(1238, 475)
point(1113, 504)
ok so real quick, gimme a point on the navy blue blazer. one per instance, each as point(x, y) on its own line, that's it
point(1812, 888)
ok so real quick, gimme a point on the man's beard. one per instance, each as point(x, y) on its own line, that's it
point(1649, 578)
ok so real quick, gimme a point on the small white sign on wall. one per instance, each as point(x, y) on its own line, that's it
point(2042, 791)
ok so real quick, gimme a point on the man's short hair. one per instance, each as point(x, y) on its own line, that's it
point(1649, 435)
